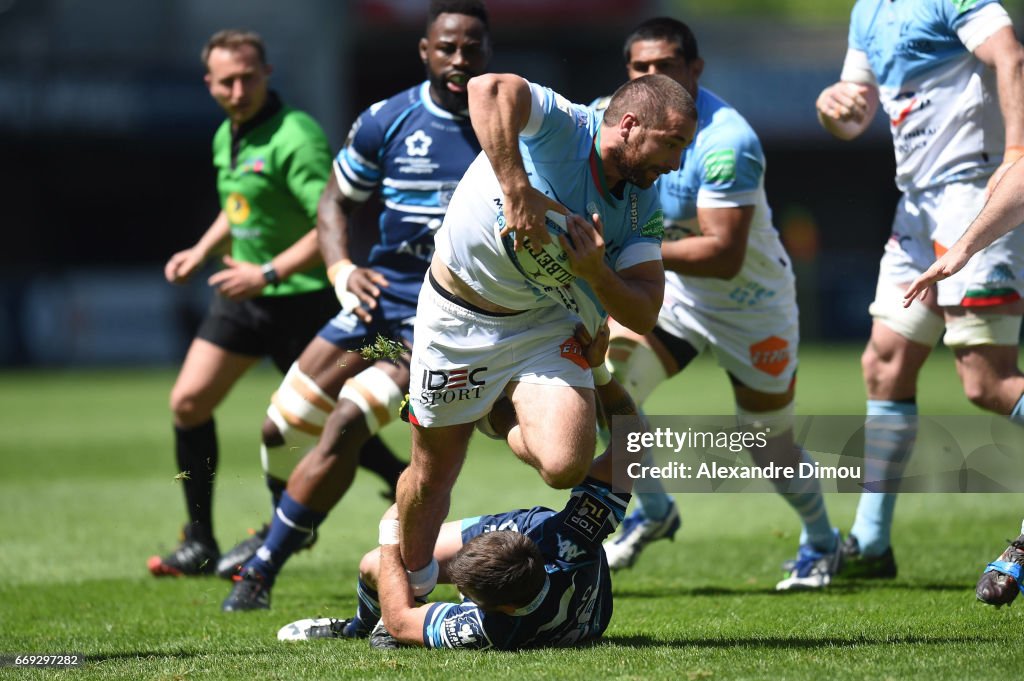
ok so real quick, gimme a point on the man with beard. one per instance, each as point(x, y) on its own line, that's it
point(485, 329)
point(414, 147)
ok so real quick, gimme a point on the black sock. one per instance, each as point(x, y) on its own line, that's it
point(377, 457)
point(196, 449)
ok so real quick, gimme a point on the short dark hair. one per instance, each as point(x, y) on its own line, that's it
point(651, 98)
point(232, 39)
point(472, 8)
point(498, 568)
point(667, 29)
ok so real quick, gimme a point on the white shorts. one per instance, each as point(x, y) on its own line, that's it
point(462, 360)
point(927, 222)
point(757, 345)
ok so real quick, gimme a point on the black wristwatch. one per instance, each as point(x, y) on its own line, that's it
point(270, 274)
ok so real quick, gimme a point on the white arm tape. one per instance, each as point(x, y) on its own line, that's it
point(349, 301)
point(388, 532)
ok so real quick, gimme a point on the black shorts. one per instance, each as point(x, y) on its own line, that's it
point(279, 327)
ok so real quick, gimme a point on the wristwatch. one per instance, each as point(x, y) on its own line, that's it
point(270, 274)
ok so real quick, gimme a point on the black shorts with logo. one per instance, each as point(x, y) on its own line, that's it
point(279, 327)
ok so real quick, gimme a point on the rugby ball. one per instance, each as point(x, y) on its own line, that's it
point(546, 265)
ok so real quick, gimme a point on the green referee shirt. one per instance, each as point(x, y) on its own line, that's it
point(270, 175)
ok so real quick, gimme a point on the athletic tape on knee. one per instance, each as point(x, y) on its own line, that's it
point(299, 409)
point(915, 323)
point(778, 421)
point(376, 395)
point(636, 367)
point(971, 329)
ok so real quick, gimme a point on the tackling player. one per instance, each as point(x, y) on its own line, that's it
point(414, 147)
point(728, 286)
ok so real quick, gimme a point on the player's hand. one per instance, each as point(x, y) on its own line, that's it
point(238, 280)
point(843, 102)
point(183, 265)
point(525, 215)
point(584, 246)
point(365, 283)
point(951, 262)
point(594, 347)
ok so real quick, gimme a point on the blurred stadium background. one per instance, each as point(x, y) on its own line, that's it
point(105, 129)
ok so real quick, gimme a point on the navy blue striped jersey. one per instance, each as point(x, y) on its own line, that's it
point(415, 153)
point(575, 604)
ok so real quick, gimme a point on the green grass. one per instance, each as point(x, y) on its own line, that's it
point(87, 494)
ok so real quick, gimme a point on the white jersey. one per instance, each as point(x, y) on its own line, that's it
point(559, 148)
point(724, 168)
point(941, 101)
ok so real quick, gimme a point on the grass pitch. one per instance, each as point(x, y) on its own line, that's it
point(87, 493)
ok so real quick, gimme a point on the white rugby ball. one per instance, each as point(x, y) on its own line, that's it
point(546, 265)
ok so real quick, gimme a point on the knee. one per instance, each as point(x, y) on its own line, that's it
point(368, 568)
point(981, 393)
point(564, 475)
point(270, 435)
point(187, 408)
point(345, 431)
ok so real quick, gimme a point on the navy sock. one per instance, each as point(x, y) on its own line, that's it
point(368, 610)
point(291, 527)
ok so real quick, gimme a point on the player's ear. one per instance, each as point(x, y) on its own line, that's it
point(423, 50)
point(696, 68)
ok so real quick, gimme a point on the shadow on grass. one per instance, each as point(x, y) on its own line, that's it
point(777, 642)
point(844, 588)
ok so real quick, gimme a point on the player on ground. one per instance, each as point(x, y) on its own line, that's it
point(728, 286)
point(939, 67)
point(530, 578)
point(414, 147)
point(272, 293)
point(541, 153)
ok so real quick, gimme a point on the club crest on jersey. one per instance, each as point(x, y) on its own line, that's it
point(236, 208)
point(418, 143)
point(464, 631)
point(451, 385)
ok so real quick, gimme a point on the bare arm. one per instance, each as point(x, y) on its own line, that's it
point(1003, 212)
point(720, 249)
point(333, 218)
point(499, 108)
point(399, 612)
point(634, 295)
point(846, 109)
point(215, 239)
point(1004, 54)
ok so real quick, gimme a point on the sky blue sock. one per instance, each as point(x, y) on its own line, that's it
point(1017, 413)
point(808, 502)
point(289, 530)
point(888, 442)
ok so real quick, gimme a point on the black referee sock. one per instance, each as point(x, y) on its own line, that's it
point(196, 450)
point(376, 456)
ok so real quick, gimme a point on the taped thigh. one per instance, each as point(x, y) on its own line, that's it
point(377, 396)
point(636, 366)
point(969, 329)
point(299, 409)
point(916, 323)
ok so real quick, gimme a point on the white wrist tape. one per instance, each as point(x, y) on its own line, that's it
point(601, 375)
point(387, 532)
point(423, 580)
point(339, 274)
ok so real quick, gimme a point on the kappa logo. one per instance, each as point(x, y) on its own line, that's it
point(770, 355)
point(567, 550)
point(573, 351)
point(634, 212)
point(418, 143)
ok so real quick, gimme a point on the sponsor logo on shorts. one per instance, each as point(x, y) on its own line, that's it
point(770, 355)
point(451, 385)
point(573, 351)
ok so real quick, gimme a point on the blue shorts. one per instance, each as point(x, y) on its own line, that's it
point(393, 318)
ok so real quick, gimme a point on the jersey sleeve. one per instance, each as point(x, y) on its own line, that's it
point(856, 68)
point(592, 514)
point(977, 21)
point(644, 244)
point(731, 167)
point(308, 169)
point(357, 166)
point(552, 116)
point(451, 625)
